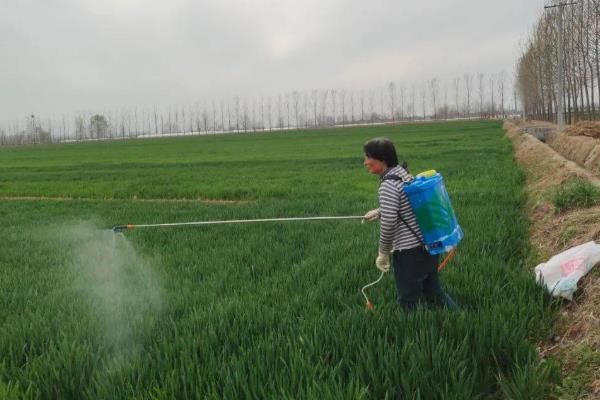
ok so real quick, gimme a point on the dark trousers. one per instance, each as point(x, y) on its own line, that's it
point(417, 279)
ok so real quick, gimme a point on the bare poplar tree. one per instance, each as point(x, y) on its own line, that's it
point(253, 116)
point(315, 98)
point(296, 104)
point(279, 107)
point(269, 107)
point(501, 90)
point(392, 94)
point(236, 102)
point(222, 107)
point(456, 85)
point(424, 101)
point(228, 116)
point(333, 98)
point(169, 124)
point(382, 104)
point(492, 100)
point(324, 107)
point(214, 116)
point(362, 106)
point(352, 107)
point(204, 116)
point(305, 98)
point(434, 87)
point(245, 118)
point(413, 94)
point(65, 131)
point(446, 102)
point(372, 106)
point(343, 104)
point(196, 119)
point(188, 122)
point(49, 123)
point(135, 121)
point(262, 113)
point(515, 107)
point(402, 108)
point(480, 78)
point(468, 79)
point(287, 108)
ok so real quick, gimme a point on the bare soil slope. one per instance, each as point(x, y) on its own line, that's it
point(579, 143)
point(585, 128)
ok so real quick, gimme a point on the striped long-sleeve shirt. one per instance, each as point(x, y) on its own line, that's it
point(394, 234)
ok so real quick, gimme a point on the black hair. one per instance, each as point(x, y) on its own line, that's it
point(381, 149)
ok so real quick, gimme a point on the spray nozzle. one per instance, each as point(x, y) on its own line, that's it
point(121, 228)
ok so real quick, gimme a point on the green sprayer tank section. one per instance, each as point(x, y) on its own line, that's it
point(434, 212)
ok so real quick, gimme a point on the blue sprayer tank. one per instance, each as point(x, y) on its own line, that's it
point(432, 207)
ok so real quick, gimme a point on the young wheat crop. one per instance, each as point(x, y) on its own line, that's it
point(262, 310)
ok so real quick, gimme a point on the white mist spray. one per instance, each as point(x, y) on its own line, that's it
point(119, 284)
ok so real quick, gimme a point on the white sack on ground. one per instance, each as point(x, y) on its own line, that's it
point(562, 272)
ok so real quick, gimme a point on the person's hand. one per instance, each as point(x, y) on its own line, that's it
point(383, 262)
point(372, 215)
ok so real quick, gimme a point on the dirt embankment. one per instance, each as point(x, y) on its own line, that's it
point(585, 128)
point(576, 340)
point(579, 143)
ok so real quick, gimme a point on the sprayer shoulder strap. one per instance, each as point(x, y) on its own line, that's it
point(392, 177)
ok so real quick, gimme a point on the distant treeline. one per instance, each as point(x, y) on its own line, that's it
point(538, 66)
point(469, 96)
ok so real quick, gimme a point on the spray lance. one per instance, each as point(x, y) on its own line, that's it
point(123, 228)
point(127, 227)
point(369, 305)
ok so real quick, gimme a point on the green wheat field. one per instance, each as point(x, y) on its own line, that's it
point(270, 310)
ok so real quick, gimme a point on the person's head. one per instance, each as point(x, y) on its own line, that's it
point(380, 154)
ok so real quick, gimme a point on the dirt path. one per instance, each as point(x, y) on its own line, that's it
point(46, 198)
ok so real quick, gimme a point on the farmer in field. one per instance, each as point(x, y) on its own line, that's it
point(415, 270)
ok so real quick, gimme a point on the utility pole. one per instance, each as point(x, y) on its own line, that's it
point(560, 118)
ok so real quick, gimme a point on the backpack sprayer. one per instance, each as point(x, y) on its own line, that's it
point(426, 194)
point(435, 216)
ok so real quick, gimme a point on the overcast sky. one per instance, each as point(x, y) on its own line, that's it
point(63, 56)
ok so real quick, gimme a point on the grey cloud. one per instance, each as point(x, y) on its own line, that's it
point(61, 56)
